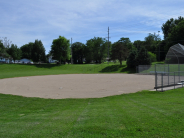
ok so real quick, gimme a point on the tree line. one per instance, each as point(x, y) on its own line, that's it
point(98, 50)
point(33, 51)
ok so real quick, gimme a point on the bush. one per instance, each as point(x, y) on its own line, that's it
point(152, 57)
point(140, 57)
point(131, 60)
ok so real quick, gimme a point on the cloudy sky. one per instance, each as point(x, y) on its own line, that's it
point(23, 21)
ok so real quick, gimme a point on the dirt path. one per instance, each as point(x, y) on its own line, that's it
point(76, 85)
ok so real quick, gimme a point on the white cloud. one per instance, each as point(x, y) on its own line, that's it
point(24, 21)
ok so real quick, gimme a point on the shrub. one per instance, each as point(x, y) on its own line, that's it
point(152, 57)
point(140, 57)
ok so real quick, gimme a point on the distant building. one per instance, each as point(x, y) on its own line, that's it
point(25, 61)
point(51, 60)
point(5, 60)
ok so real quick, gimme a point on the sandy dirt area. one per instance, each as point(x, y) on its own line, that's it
point(76, 85)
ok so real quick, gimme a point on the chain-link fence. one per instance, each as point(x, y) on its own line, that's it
point(166, 75)
point(167, 79)
point(159, 68)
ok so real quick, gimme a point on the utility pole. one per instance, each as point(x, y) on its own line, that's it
point(159, 49)
point(71, 52)
point(108, 45)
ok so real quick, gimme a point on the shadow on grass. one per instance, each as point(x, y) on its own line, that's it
point(112, 68)
point(118, 68)
point(48, 66)
point(128, 70)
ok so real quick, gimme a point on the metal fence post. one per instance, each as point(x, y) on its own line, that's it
point(168, 74)
point(174, 80)
point(156, 80)
point(162, 81)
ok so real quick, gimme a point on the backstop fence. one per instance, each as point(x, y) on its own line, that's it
point(151, 69)
point(165, 74)
point(167, 79)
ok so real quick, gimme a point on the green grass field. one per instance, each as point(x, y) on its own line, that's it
point(142, 114)
point(19, 70)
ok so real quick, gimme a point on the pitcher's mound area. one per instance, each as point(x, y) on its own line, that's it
point(76, 85)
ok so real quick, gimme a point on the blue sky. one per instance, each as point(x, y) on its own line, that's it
point(23, 21)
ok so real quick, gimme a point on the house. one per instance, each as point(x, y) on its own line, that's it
point(50, 60)
point(5, 60)
point(2, 60)
point(25, 61)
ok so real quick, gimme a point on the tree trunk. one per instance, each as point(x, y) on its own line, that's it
point(120, 62)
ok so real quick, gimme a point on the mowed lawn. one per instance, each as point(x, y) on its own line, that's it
point(142, 114)
point(19, 70)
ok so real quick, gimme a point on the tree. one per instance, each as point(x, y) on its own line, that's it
point(143, 57)
point(169, 25)
point(3, 51)
point(140, 57)
point(177, 34)
point(151, 42)
point(132, 59)
point(161, 50)
point(138, 44)
point(38, 51)
point(126, 42)
point(5, 42)
point(152, 57)
point(60, 49)
point(119, 51)
point(34, 51)
point(78, 52)
point(96, 50)
point(14, 52)
point(27, 50)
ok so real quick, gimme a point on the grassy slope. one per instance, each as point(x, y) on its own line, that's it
point(142, 114)
point(17, 70)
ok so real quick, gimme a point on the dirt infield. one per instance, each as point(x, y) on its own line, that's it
point(76, 85)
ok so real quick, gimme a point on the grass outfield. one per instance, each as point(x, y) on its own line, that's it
point(19, 70)
point(142, 114)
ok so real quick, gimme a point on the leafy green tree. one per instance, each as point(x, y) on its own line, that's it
point(132, 59)
point(34, 51)
point(96, 49)
point(153, 57)
point(126, 42)
point(140, 57)
point(143, 57)
point(14, 52)
point(27, 50)
point(119, 51)
point(161, 50)
point(138, 44)
point(177, 34)
point(3, 51)
point(151, 42)
point(38, 52)
point(173, 34)
point(78, 52)
point(168, 26)
point(1, 47)
point(60, 49)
